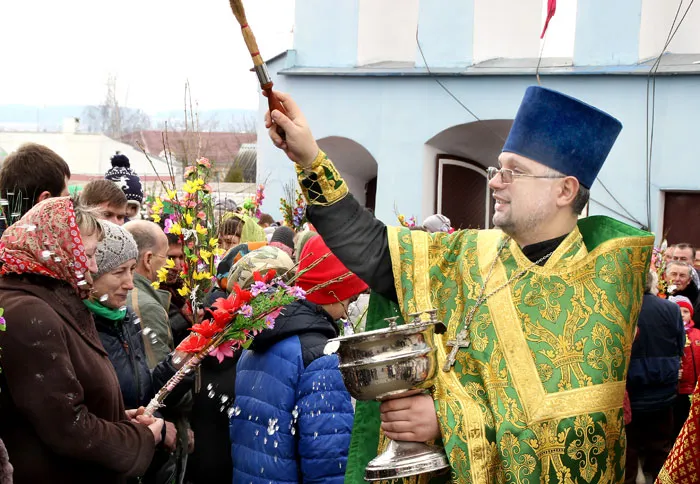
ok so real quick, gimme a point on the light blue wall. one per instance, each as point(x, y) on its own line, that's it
point(325, 32)
point(393, 117)
point(446, 33)
point(607, 32)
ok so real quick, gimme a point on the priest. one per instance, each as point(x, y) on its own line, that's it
point(540, 312)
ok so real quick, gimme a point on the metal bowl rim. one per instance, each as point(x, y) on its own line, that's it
point(410, 328)
point(373, 361)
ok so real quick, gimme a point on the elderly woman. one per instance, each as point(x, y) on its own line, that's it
point(120, 334)
point(62, 418)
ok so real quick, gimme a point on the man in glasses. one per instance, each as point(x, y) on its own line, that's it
point(540, 314)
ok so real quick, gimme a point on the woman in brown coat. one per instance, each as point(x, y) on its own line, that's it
point(61, 412)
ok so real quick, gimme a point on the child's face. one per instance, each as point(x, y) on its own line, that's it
point(685, 313)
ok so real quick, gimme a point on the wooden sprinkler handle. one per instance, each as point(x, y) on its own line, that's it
point(273, 103)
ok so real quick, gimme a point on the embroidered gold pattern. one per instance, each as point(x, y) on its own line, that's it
point(538, 395)
point(321, 184)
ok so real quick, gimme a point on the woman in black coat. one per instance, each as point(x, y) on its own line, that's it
point(120, 333)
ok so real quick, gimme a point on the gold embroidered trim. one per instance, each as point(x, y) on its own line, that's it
point(321, 184)
point(555, 267)
point(537, 404)
point(421, 271)
point(471, 429)
point(393, 237)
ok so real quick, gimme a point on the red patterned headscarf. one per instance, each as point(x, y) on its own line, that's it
point(46, 241)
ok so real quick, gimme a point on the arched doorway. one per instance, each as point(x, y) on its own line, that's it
point(461, 155)
point(357, 166)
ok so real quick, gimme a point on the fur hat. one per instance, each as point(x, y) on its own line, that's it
point(126, 178)
point(117, 247)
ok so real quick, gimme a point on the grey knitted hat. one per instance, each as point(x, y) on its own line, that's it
point(117, 247)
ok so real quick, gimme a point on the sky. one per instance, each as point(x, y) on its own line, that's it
point(61, 53)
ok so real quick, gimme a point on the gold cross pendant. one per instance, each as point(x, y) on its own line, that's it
point(461, 341)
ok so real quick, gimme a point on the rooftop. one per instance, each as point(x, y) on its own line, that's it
point(220, 148)
point(671, 64)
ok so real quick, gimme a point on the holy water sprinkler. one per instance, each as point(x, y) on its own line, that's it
point(258, 63)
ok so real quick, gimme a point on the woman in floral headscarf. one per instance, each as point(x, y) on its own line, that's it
point(62, 415)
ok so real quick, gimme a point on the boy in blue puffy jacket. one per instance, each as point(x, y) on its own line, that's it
point(292, 416)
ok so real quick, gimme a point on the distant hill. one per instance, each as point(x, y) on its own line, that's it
point(50, 118)
point(36, 118)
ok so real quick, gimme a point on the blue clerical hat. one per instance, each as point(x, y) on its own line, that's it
point(563, 133)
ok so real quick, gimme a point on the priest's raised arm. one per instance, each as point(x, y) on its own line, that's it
point(354, 235)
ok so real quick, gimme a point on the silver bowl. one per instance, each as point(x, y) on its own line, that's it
point(386, 363)
point(389, 363)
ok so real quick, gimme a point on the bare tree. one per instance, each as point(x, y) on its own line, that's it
point(243, 125)
point(113, 119)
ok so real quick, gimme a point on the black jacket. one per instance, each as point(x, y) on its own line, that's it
point(361, 242)
point(210, 463)
point(693, 293)
point(124, 345)
point(652, 381)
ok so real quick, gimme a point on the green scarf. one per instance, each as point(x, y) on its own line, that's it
point(105, 312)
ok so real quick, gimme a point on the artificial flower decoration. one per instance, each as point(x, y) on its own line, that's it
point(251, 206)
point(193, 221)
point(207, 328)
point(194, 343)
point(243, 313)
point(222, 351)
point(658, 264)
point(267, 278)
point(410, 223)
point(235, 320)
point(294, 212)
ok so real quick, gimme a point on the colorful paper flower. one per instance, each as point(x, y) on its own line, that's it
point(267, 278)
point(222, 351)
point(194, 343)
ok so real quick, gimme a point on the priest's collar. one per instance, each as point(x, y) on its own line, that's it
point(537, 251)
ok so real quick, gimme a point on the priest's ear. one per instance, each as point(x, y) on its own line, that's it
point(569, 188)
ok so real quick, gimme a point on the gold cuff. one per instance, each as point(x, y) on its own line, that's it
point(321, 183)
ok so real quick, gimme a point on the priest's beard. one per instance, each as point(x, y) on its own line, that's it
point(531, 217)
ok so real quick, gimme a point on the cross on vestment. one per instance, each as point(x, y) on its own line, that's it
point(461, 341)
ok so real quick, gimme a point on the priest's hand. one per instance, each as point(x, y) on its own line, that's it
point(412, 419)
point(299, 145)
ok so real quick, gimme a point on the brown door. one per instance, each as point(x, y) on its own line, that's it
point(682, 218)
point(462, 193)
point(371, 193)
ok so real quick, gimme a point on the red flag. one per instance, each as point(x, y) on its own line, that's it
point(551, 10)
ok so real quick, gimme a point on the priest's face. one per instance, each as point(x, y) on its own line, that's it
point(527, 202)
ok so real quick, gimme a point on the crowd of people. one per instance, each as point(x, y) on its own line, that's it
point(535, 383)
point(665, 360)
point(92, 339)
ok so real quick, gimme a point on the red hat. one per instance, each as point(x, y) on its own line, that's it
point(683, 302)
point(328, 269)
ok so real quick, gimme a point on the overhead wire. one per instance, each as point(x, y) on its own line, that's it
point(651, 103)
point(456, 99)
point(651, 76)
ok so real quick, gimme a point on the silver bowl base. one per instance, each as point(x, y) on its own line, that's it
point(404, 459)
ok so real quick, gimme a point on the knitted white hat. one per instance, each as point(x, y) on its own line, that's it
point(117, 247)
